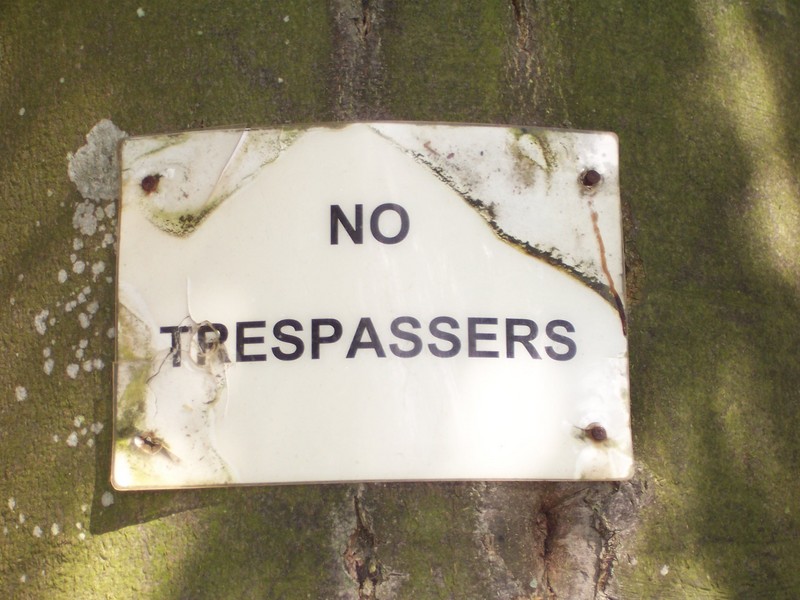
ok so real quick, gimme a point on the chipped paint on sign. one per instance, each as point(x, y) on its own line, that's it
point(380, 301)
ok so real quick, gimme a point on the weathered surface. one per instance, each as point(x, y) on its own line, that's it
point(703, 97)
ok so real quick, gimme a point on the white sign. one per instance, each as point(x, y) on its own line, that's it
point(380, 301)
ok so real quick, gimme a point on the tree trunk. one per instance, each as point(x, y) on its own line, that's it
point(703, 97)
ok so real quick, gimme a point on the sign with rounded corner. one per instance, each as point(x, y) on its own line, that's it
point(370, 302)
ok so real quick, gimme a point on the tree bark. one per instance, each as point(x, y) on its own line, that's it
point(703, 97)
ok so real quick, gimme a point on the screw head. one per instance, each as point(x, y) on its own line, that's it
point(597, 432)
point(591, 178)
point(150, 183)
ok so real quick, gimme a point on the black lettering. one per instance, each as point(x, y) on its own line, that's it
point(374, 224)
point(444, 335)
point(416, 342)
point(277, 331)
point(317, 339)
point(175, 344)
point(241, 341)
point(560, 339)
point(473, 336)
point(365, 325)
point(356, 232)
point(523, 338)
point(210, 338)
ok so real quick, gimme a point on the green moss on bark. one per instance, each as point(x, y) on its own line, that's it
point(713, 339)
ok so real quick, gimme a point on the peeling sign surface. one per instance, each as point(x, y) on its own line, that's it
point(380, 301)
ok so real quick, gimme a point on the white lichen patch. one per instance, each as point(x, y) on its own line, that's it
point(72, 440)
point(48, 365)
point(72, 370)
point(664, 570)
point(55, 529)
point(37, 532)
point(84, 218)
point(40, 321)
point(21, 393)
point(107, 499)
point(79, 267)
point(62, 276)
point(84, 321)
point(12, 504)
point(94, 168)
point(96, 428)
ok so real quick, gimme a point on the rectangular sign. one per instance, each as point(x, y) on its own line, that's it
point(370, 301)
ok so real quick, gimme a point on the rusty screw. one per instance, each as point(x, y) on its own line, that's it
point(597, 432)
point(591, 178)
point(150, 183)
point(148, 443)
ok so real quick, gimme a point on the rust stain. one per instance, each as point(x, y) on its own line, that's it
point(604, 265)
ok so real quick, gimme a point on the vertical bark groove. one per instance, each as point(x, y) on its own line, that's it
point(358, 77)
point(556, 540)
point(360, 559)
point(537, 98)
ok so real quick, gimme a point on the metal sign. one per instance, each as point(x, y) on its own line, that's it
point(376, 301)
